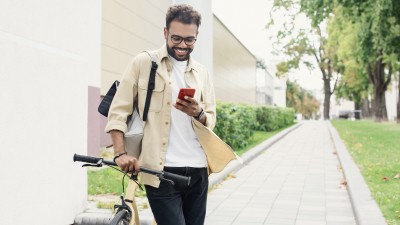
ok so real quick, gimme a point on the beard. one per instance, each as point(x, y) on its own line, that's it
point(171, 52)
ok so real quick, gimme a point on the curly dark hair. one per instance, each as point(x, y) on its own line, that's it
point(183, 13)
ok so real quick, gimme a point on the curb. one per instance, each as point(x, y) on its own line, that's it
point(366, 210)
point(146, 217)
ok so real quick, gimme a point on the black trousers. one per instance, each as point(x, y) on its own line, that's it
point(180, 204)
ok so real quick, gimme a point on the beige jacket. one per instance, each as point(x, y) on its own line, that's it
point(156, 131)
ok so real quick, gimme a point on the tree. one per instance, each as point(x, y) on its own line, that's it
point(302, 49)
point(378, 43)
point(353, 84)
point(301, 100)
point(378, 38)
point(260, 63)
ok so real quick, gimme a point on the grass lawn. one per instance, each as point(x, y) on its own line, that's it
point(375, 148)
point(105, 181)
point(108, 181)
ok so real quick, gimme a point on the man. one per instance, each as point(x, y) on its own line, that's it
point(169, 141)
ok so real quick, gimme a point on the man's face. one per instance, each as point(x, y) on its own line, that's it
point(180, 39)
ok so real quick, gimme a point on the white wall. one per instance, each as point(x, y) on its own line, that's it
point(48, 48)
point(265, 87)
point(391, 96)
point(336, 106)
point(269, 84)
point(280, 92)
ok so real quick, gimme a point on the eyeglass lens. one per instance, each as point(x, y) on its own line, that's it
point(176, 39)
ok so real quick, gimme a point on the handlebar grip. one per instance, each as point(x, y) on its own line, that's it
point(86, 159)
point(177, 178)
point(92, 160)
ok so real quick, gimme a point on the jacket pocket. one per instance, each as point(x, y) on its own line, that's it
point(157, 96)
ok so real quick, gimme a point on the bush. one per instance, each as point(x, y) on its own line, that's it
point(236, 123)
point(273, 118)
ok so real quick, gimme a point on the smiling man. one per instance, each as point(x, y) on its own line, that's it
point(169, 141)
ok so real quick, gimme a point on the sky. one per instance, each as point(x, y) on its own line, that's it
point(247, 20)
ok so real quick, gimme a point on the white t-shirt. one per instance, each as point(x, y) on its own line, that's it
point(184, 148)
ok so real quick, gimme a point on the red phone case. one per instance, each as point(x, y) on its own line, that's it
point(186, 92)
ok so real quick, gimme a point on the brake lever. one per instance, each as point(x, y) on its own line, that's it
point(92, 165)
point(161, 177)
point(98, 164)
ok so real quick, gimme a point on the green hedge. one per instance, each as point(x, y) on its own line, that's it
point(273, 118)
point(236, 123)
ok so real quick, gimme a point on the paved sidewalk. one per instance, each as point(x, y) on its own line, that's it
point(297, 181)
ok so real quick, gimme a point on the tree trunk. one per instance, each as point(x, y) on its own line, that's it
point(377, 77)
point(326, 78)
point(327, 98)
point(380, 104)
point(365, 108)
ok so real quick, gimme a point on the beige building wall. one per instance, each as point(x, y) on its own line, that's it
point(128, 28)
point(234, 67)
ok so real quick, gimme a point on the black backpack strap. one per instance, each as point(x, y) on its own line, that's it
point(105, 103)
point(151, 85)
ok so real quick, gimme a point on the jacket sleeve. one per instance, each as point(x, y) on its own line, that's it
point(209, 101)
point(122, 104)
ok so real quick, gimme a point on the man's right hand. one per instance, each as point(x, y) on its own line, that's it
point(128, 164)
point(125, 162)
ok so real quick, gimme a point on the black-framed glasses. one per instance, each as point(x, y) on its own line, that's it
point(176, 39)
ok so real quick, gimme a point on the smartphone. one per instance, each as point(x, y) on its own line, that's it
point(186, 92)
